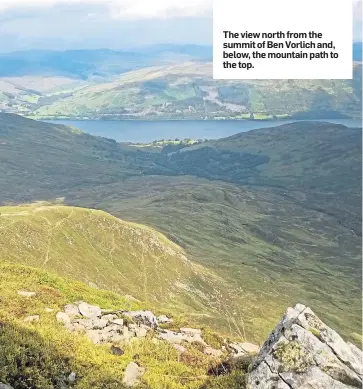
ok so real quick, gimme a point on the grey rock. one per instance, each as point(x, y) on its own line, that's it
point(33, 318)
point(72, 377)
point(178, 337)
point(241, 349)
point(116, 350)
point(181, 349)
point(63, 318)
point(90, 311)
point(313, 378)
point(25, 293)
point(133, 373)
point(163, 319)
point(145, 317)
point(93, 323)
point(71, 310)
point(263, 378)
point(172, 337)
point(109, 317)
point(304, 353)
point(119, 322)
point(94, 335)
point(191, 331)
point(213, 352)
point(141, 332)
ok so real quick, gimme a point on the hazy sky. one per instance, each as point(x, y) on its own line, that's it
point(117, 24)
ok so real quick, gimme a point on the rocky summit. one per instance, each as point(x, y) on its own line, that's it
point(304, 353)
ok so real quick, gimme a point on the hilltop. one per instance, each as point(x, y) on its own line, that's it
point(268, 236)
point(173, 88)
point(188, 91)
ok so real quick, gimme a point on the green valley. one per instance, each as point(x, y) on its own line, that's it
point(265, 213)
point(172, 89)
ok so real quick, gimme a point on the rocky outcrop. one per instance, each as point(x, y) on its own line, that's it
point(304, 353)
point(110, 326)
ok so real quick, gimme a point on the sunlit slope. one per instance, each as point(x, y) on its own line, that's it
point(187, 90)
point(94, 247)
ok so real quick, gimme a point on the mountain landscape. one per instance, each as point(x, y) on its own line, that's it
point(161, 82)
point(167, 264)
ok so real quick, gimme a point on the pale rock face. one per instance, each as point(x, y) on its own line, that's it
point(242, 349)
point(109, 317)
point(63, 318)
point(304, 353)
point(213, 352)
point(133, 373)
point(31, 319)
point(89, 311)
point(163, 319)
point(178, 337)
point(25, 293)
point(119, 322)
point(71, 310)
point(191, 331)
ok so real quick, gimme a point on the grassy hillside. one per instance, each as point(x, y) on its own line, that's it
point(266, 213)
point(271, 249)
point(108, 253)
point(316, 163)
point(41, 355)
point(97, 248)
point(187, 90)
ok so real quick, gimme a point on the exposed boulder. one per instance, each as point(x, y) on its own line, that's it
point(71, 310)
point(90, 311)
point(304, 353)
point(163, 319)
point(72, 377)
point(213, 352)
point(133, 373)
point(242, 349)
point(25, 293)
point(63, 318)
point(33, 318)
point(178, 337)
point(145, 317)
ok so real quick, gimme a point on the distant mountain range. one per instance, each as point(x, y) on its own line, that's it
point(161, 82)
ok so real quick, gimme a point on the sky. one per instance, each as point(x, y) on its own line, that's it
point(114, 24)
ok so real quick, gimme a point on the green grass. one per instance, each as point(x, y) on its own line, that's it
point(94, 247)
point(42, 355)
point(272, 215)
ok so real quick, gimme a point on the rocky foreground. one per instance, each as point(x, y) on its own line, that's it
point(304, 353)
point(301, 353)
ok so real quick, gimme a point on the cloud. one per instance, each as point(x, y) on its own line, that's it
point(122, 9)
point(135, 9)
